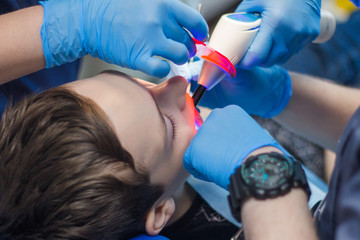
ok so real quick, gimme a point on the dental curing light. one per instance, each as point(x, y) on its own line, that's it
point(220, 63)
point(232, 37)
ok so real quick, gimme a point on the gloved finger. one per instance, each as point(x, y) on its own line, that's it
point(242, 75)
point(179, 34)
point(298, 42)
point(278, 52)
point(313, 30)
point(173, 51)
point(296, 45)
point(284, 58)
point(188, 165)
point(188, 161)
point(249, 6)
point(259, 49)
point(290, 53)
point(153, 66)
point(190, 19)
point(307, 39)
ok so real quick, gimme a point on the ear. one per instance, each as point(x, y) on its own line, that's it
point(159, 215)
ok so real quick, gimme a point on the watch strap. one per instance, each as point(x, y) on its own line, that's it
point(300, 178)
point(238, 192)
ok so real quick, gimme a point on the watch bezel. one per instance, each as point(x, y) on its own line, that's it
point(260, 191)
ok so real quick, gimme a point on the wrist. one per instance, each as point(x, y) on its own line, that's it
point(265, 175)
point(280, 218)
point(268, 208)
point(62, 32)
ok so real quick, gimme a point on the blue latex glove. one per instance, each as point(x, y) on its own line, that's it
point(146, 237)
point(222, 143)
point(356, 2)
point(286, 27)
point(259, 91)
point(129, 33)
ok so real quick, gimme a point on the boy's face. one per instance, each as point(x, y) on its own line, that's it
point(155, 123)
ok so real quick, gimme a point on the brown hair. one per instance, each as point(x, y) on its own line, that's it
point(64, 173)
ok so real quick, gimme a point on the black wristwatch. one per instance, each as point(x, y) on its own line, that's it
point(265, 176)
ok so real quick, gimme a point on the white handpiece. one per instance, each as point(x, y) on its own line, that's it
point(234, 34)
point(231, 37)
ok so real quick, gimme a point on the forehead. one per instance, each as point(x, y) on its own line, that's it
point(131, 111)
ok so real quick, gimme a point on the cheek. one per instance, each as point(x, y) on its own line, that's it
point(170, 173)
point(176, 175)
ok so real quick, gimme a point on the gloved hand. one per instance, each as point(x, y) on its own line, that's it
point(129, 33)
point(259, 91)
point(225, 139)
point(286, 27)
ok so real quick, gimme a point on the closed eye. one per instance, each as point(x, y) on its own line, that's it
point(173, 123)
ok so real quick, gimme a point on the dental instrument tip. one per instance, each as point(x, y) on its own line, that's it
point(199, 92)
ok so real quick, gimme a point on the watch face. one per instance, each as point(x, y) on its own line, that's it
point(266, 171)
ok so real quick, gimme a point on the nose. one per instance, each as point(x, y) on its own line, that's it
point(171, 93)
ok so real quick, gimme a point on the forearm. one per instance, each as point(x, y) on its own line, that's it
point(285, 217)
point(21, 49)
point(319, 110)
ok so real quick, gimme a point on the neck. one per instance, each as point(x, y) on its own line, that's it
point(183, 198)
